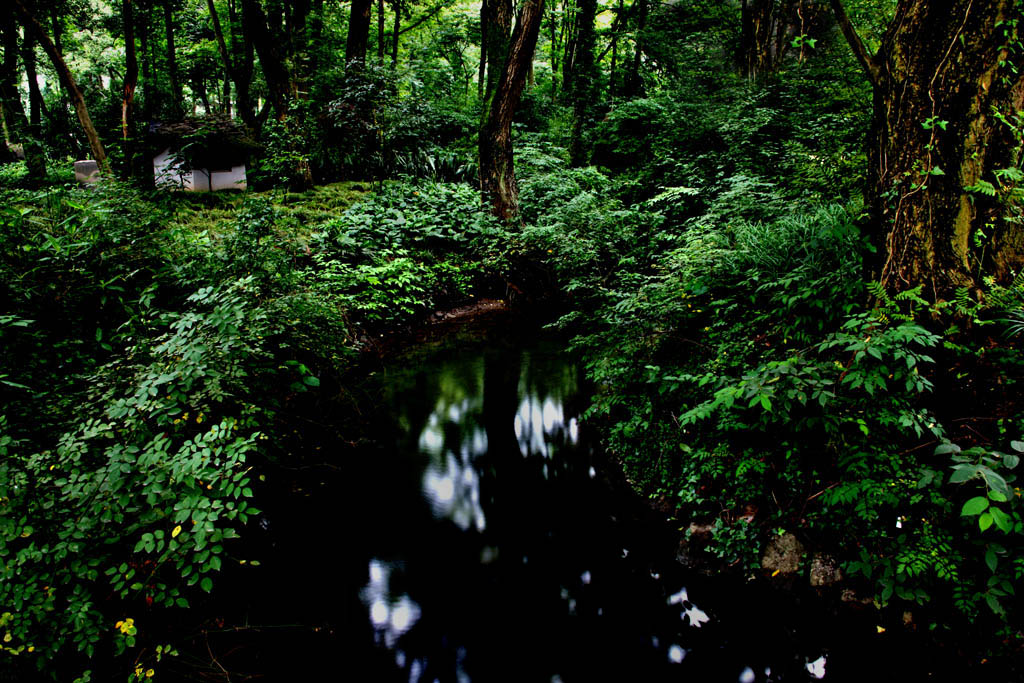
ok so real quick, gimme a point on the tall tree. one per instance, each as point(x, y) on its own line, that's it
point(69, 83)
point(584, 92)
point(634, 84)
point(759, 26)
point(18, 126)
point(131, 81)
point(177, 99)
point(943, 77)
point(497, 43)
point(358, 32)
point(274, 71)
point(497, 173)
point(234, 72)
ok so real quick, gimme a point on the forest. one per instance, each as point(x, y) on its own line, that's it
point(781, 240)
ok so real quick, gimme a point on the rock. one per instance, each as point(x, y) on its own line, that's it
point(825, 571)
point(87, 171)
point(783, 554)
point(700, 532)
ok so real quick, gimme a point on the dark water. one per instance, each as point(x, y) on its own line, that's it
point(477, 537)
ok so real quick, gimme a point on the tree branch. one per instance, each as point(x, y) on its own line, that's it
point(867, 61)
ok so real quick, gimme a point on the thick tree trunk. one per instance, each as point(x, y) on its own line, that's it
point(68, 80)
point(497, 174)
point(499, 28)
point(358, 32)
point(757, 37)
point(584, 92)
point(942, 77)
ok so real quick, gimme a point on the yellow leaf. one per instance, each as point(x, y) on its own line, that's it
point(176, 531)
point(880, 629)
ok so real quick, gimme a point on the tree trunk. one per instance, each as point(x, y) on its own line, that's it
point(177, 99)
point(17, 125)
point(380, 31)
point(235, 74)
point(68, 80)
point(569, 46)
point(358, 32)
point(584, 92)
point(274, 71)
point(35, 97)
point(396, 33)
point(499, 27)
point(482, 72)
point(131, 81)
point(497, 174)
point(634, 84)
point(554, 45)
point(943, 76)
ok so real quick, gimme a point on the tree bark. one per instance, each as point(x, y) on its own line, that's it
point(584, 92)
point(17, 125)
point(756, 37)
point(497, 174)
point(634, 84)
point(274, 71)
point(131, 81)
point(236, 74)
point(380, 31)
point(35, 97)
point(481, 79)
point(68, 80)
point(177, 99)
point(942, 78)
point(499, 27)
point(358, 32)
point(396, 33)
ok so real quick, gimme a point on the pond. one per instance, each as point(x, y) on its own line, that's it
point(479, 536)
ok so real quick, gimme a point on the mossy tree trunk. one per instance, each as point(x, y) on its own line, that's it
point(942, 77)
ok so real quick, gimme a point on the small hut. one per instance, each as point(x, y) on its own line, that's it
point(200, 154)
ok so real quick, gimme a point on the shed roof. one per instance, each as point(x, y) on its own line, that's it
point(203, 141)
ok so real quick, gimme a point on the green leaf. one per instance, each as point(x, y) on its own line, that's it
point(766, 403)
point(985, 521)
point(991, 559)
point(975, 506)
point(947, 448)
point(311, 381)
point(1017, 446)
point(1002, 520)
point(206, 584)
